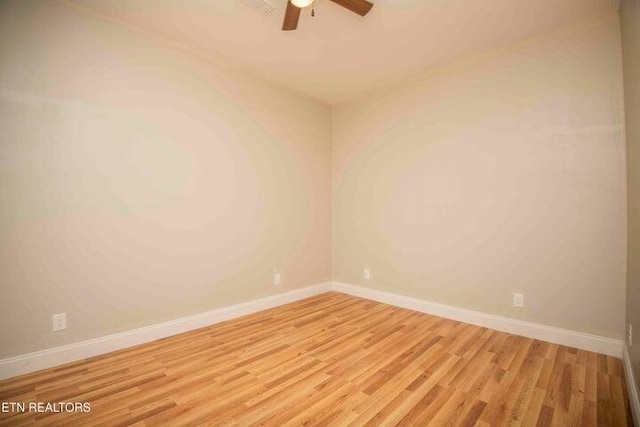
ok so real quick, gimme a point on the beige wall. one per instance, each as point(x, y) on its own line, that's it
point(630, 25)
point(140, 183)
point(502, 173)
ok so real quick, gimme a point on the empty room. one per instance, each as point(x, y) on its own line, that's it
point(319, 212)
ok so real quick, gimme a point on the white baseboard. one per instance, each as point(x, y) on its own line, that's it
point(35, 361)
point(632, 387)
point(598, 344)
point(81, 350)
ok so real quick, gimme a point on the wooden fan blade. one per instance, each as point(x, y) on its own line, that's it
point(361, 7)
point(291, 17)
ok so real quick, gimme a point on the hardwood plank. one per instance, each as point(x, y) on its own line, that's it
point(333, 359)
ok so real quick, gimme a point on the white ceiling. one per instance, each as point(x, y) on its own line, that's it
point(339, 56)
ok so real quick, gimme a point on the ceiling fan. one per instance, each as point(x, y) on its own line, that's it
point(291, 16)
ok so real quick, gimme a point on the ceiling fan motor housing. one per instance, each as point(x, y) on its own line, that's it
point(292, 14)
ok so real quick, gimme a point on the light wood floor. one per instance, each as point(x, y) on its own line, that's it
point(334, 360)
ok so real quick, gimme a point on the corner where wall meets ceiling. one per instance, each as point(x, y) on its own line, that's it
point(336, 56)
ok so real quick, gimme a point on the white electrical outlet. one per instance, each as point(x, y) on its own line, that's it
point(277, 279)
point(366, 274)
point(518, 300)
point(630, 334)
point(59, 322)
